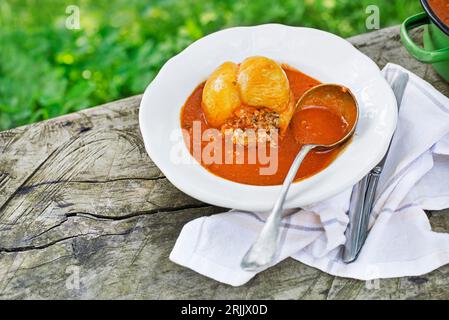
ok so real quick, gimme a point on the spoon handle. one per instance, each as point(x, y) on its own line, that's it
point(263, 251)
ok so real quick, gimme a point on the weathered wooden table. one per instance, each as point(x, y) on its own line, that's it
point(80, 198)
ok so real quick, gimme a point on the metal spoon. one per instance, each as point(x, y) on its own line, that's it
point(263, 251)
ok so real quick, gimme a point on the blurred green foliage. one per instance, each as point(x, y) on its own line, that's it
point(47, 70)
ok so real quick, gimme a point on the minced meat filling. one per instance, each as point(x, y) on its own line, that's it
point(252, 125)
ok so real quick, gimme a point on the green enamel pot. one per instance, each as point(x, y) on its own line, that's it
point(435, 40)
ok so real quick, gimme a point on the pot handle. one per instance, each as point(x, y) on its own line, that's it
point(416, 51)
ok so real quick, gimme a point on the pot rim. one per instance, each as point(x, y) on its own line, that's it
point(434, 18)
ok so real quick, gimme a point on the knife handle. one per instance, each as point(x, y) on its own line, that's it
point(362, 200)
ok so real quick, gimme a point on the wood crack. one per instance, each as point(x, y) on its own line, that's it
point(138, 213)
point(49, 244)
point(96, 217)
point(26, 189)
point(30, 176)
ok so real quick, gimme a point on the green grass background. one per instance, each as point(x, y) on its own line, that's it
point(47, 70)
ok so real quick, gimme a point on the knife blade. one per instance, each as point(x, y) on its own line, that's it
point(363, 193)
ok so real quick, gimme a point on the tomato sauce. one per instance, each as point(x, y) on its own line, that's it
point(304, 123)
point(318, 125)
point(441, 9)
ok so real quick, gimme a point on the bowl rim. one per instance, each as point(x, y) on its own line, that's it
point(434, 17)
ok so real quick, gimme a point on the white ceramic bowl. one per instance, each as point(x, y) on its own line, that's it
point(319, 54)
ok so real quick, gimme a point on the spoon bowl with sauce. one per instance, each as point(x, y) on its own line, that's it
point(320, 108)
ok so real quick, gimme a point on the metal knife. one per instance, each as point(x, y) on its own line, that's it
point(363, 193)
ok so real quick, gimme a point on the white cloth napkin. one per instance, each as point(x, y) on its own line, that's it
point(400, 242)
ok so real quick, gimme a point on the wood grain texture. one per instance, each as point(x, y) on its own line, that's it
point(79, 193)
